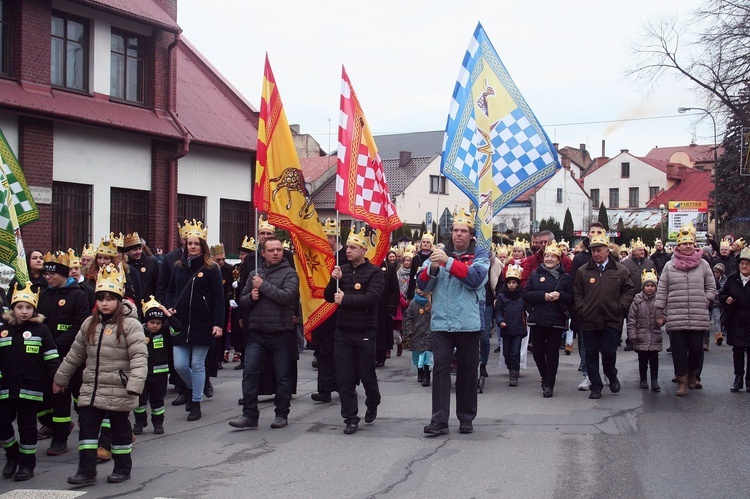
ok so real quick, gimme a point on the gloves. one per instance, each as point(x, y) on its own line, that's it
point(234, 284)
point(232, 304)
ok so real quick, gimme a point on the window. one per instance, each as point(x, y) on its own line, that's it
point(128, 211)
point(191, 207)
point(614, 198)
point(234, 224)
point(71, 216)
point(126, 67)
point(4, 38)
point(653, 192)
point(69, 52)
point(625, 170)
point(437, 184)
point(559, 195)
point(595, 198)
point(633, 196)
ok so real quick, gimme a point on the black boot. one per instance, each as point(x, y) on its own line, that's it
point(141, 421)
point(747, 384)
point(11, 465)
point(158, 422)
point(513, 378)
point(737, 385)
point(655, 385)
point(420, 374)
point(426, 380)
point(195, 412)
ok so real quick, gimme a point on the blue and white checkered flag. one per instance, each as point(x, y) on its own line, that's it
point(494, 148)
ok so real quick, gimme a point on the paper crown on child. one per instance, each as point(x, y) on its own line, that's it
point(196, 229)
point(500, 250)
point(108, 245)
point(564, 244)
point(88, 250)
point(286, 245)
point(152, 308)
point(463, 218)
point(58, 262)
point(248, 244)
point(638, 243)
point(429, 236)
point(686, 234)
point(599, 239)
point(75, 261)
point(513, 272)
point(740, 242)
point(649, 276)
point(410, 251)
point(330, 228)
point(358, 238)
point(520, 243)
point(216, 250)
point(131, 241)
point(553, 248)
point(111, 279)
point(264, 225)
point(657, 241)
point(26, 294)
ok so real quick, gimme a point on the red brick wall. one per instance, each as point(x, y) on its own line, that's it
point(158, 203)
point(31, 20)
point(158, 74)
point(35, 151)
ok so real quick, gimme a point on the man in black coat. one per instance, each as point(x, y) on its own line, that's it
point(425, 250)
point(356, 287)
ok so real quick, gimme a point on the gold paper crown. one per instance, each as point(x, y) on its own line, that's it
point(111, 279)
point(410, 251)
point(131, 240)
point(745, 254)
point(183, 229)
point(638, 243)
point(108, 245)
point(88, 250)
point(599, 239)
point(248, 244)
point(429, 236)
point(725, 243)
point(330, 229)
point(358, 238)
point(624, 248)
point(657, 241)
point(501, 250)
point(649, 276)
point(564, 244)
point(553, 248)
point(521, 243)
point(26, 294)
point(58, 257)
point(686, 234)
point(195, 229)
point(513, 272)
point(740, 243)
point(147, 305)
point(286, 244)
point(264, 225)
point(216, 250)
point(75, 262)
point(463, 218)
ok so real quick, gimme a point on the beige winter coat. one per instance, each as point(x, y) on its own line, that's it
point(114, 373)
point(682, 297)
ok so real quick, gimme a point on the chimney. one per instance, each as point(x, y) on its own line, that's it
point(670, 170)
point(682, 169)
point(295, 129)
point(624, 150)
point(556, 146)
point(603, 153)
point(582, 148)
point(404, 158)
point(566, 163)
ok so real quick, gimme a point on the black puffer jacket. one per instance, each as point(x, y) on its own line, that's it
point(548, 313)
point(736, 317)
point(279, 296)
point(64, 308)
point(158, 344)
point(362, 286)
point(28, 358)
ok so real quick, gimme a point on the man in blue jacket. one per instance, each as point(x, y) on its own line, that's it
point(456, 277)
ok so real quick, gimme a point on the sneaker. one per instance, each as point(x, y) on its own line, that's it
point(370, 415)
point(584, 385)
point(236, 357)
point(614, 385)
point(436, 428)
point(399, 350)
point(44, 432)
point(483, 371)
point(568, 349)
point(595, 394)
point(279, 422)
point(226, 355)
point(350, 429)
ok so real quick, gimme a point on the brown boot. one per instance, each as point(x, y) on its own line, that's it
point(719, 338)
point(682, 386)
point(692, 381)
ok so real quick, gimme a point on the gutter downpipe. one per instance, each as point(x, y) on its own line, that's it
point(172, 195)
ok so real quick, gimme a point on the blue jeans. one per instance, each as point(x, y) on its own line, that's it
point(484, 336)
point(512, 352)
point(605, 341)
point(278, 348)
point(190, 364)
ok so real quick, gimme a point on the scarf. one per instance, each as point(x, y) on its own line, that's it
point(512, 295)
point(685, 263)
point(402, 274)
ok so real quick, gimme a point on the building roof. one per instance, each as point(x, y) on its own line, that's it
point(659, 164)
point(697, 153)
point(209, 107)
point(315, 167)
point(417, 143)
point(148, 11)
point(693, 185)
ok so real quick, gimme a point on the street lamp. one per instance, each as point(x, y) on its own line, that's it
point(661, 212)
point(682, 110)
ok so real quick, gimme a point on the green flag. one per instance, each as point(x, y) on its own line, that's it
point(24, 204)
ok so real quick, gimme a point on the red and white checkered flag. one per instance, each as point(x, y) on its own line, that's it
point(361, 187)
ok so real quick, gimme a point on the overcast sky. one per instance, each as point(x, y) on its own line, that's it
point(403, 56)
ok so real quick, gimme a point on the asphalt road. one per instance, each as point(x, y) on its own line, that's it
point(636, 443)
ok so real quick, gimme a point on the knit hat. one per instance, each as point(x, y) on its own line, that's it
point(720, 268)
point(59, 262)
